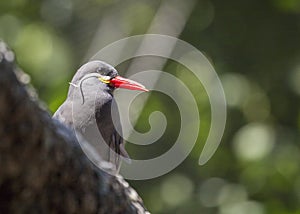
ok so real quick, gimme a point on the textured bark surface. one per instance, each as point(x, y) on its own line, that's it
point(42, 167)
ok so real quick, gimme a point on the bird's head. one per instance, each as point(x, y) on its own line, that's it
point(106, 75)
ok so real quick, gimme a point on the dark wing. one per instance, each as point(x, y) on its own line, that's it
point(108, 129)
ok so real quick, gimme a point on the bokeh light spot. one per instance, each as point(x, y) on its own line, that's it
point(231, 194)
point(236, 88)
point(253, 141)
point(176, 189)
point(210, 191)
point(247, 207)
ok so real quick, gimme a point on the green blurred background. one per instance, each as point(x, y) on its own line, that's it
point(255, 49)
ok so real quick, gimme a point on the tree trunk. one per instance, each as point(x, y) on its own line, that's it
point(42, 167)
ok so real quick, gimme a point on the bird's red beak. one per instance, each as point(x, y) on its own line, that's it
point(121, 82)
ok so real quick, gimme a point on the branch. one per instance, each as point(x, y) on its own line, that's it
point(43, 168)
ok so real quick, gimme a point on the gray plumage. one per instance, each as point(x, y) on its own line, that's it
point(88, 111)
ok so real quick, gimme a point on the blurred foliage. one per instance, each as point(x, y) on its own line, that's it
point(255, 48)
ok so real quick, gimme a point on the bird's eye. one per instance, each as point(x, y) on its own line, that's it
point(109, 73)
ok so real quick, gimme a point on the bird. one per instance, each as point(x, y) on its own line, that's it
point(88, 109)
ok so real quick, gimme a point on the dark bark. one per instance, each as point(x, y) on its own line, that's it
point(42, 167)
